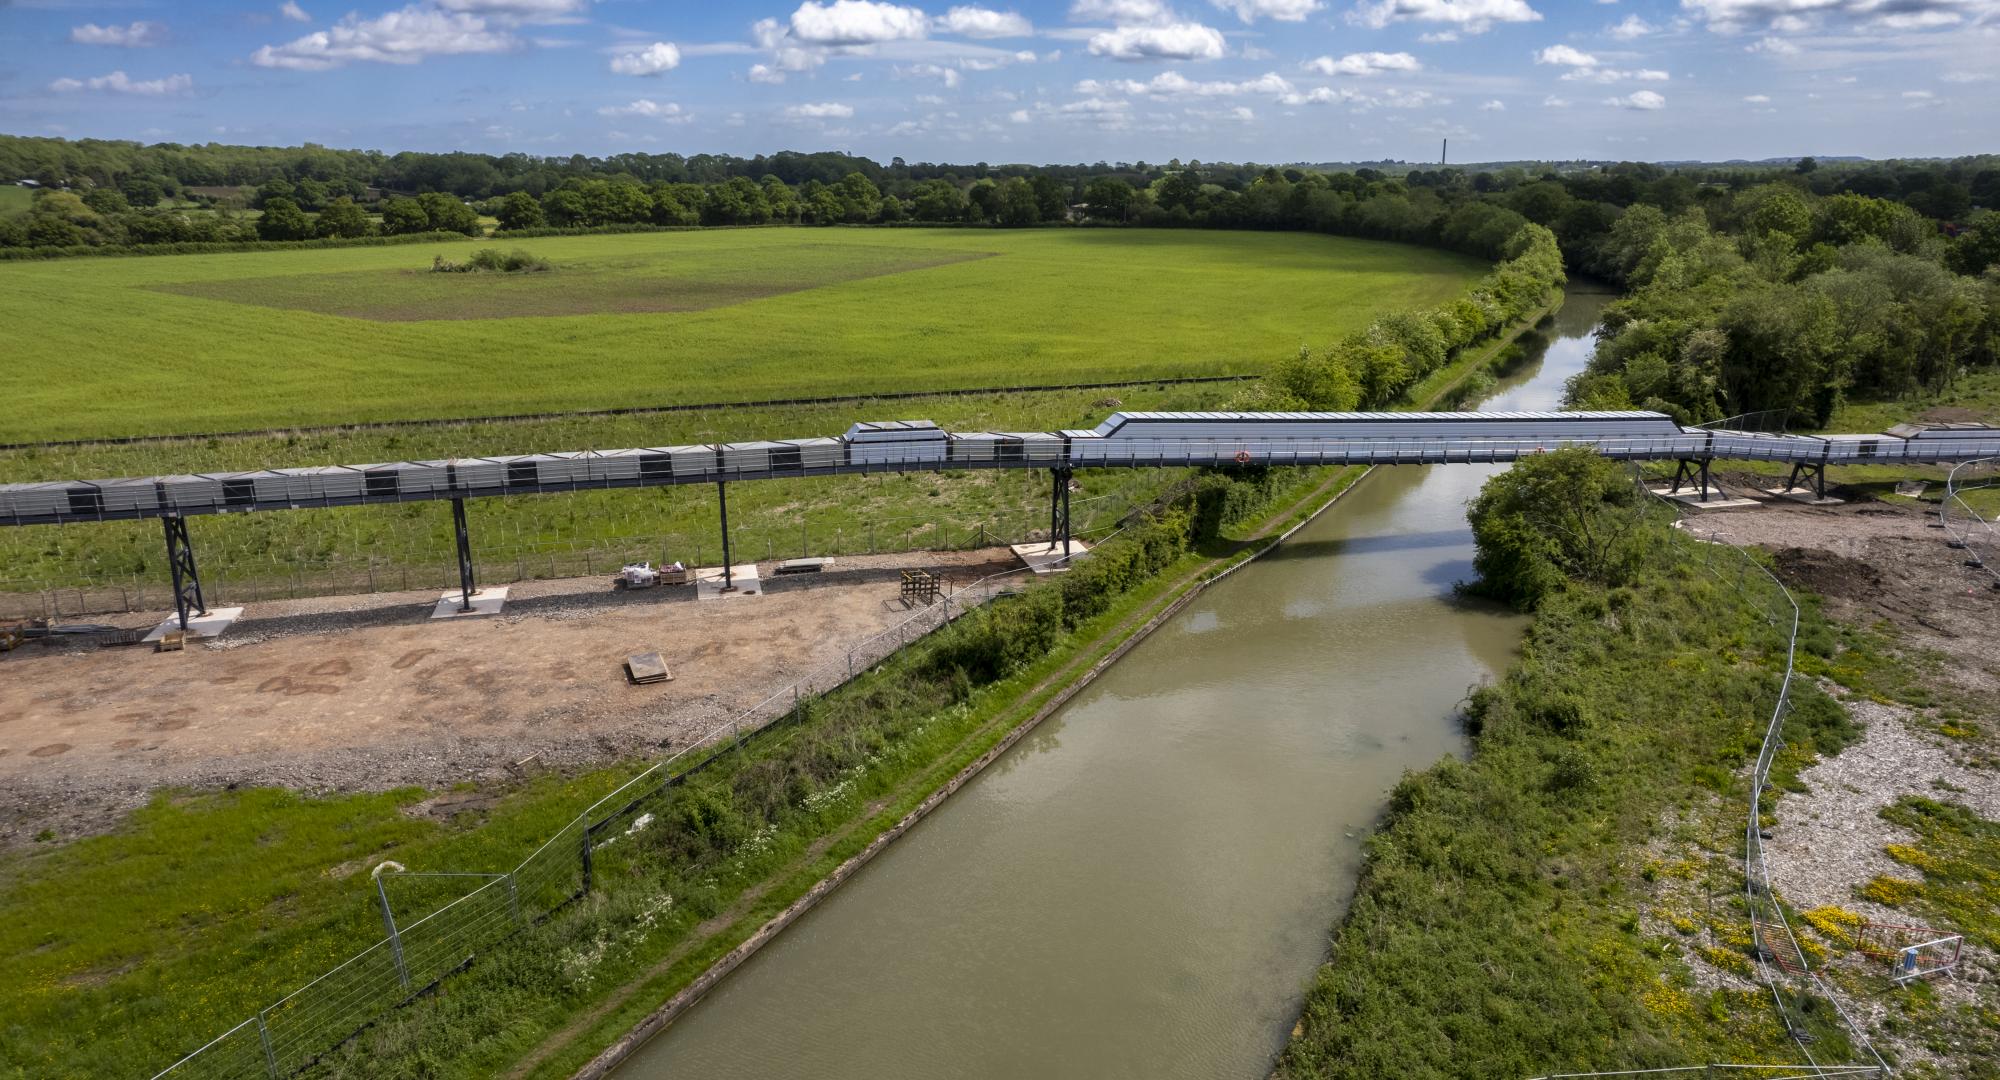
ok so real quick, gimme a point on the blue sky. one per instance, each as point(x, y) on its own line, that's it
point(1036, 81)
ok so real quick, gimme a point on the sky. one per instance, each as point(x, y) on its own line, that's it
point(1036, 81)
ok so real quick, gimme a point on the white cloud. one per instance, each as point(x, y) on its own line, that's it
point(1643, 100)
point(1322, 95)
point(118, 83)
point(1918, 95)
point(1566, 56)
point(651, 60)
point(1438, 37)
point(1469, 16)
point(291, 10)
point(1019, 116)
point(1772, 46)
point(979, 22)
point(857, 22)
point(1612, 75)
point(1632, 27)
point(652, 110)
point(1966, 76)
point(948, 75)
point(1368, 63)
point(1119, 12)
point(1280, 10)
point(1243, 113)
point(764, 73)
point(1174, 84)
point(138, 35)
point(826, 110)
point(1094, 106)
point(523, 10)
point(1495, 105)
point(1554, 102)
point(1757, 99)
point(1170, 41)
point(1729, 16)
point(405, 36)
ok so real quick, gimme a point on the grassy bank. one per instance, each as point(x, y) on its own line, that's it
point(1501, 926)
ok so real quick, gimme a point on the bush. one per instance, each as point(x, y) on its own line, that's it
point(490, 260)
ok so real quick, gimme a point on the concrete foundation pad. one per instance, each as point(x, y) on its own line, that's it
point(199, 626)
point(708, 582)
point(1803, 495)
point(1717, 500)
point(487, 601)
point(1048, 558)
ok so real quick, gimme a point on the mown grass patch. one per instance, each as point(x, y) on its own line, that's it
point(656, 282)
point(105, 352)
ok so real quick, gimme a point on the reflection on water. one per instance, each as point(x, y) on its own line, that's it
point(1143, 886)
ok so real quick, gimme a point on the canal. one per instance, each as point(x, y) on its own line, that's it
point(1144, 885)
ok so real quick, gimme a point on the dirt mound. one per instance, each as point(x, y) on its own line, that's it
point(1829, 574)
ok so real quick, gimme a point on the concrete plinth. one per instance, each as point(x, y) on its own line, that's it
point(1717, 499)
point(210, 625)
point(708, 582)
point(1803, 495)
point(1048, 558)
point(486, 601)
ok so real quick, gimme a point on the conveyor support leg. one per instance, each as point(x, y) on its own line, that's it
point(180, 560)
point(722, 501)
point(1812, 471)
point(1059, 506)
point(1691, 470)
point(465, 584)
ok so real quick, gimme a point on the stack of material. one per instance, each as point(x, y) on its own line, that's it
point(645, 668)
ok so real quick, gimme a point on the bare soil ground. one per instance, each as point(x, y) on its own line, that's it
point(1876, 561)
point(367, 693)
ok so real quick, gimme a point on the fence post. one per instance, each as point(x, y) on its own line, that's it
point(264, 1036)
point(586, 858)
point(395, 940)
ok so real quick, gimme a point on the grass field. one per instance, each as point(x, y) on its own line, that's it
point(111, 347)
point(14, 199)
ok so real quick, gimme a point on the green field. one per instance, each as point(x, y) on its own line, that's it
point(14, 199)
point(110, 347)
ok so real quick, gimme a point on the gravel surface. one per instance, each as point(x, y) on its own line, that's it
point(367, 692)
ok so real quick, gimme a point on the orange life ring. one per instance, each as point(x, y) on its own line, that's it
point(1242, 457)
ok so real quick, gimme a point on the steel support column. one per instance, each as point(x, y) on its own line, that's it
point(465, 584)
point(180, 560)
point(1059, 506)
point(1815, 474)
point(722, 502)
point(1691, 470)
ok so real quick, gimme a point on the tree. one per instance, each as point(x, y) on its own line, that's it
point(1108, 198)
point(1051, 197)
point(1018, 206)
point(519, 210)
point(274, 189)
point(860, 199)
point(401, 216)
point(1553, 518)
point(447, 213)
point(937, 200)
point(143, 191)
point(283, 220)
point(341, 218)
point(1806, 165)
point(106, 200)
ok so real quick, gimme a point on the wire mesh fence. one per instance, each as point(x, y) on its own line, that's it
point(293, 576)
point(1966, 526)
point(295, 1031)
point(1782, 965)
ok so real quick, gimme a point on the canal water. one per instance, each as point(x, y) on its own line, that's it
point(1144, 885)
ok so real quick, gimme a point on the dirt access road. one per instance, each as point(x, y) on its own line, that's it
point(366, 693)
